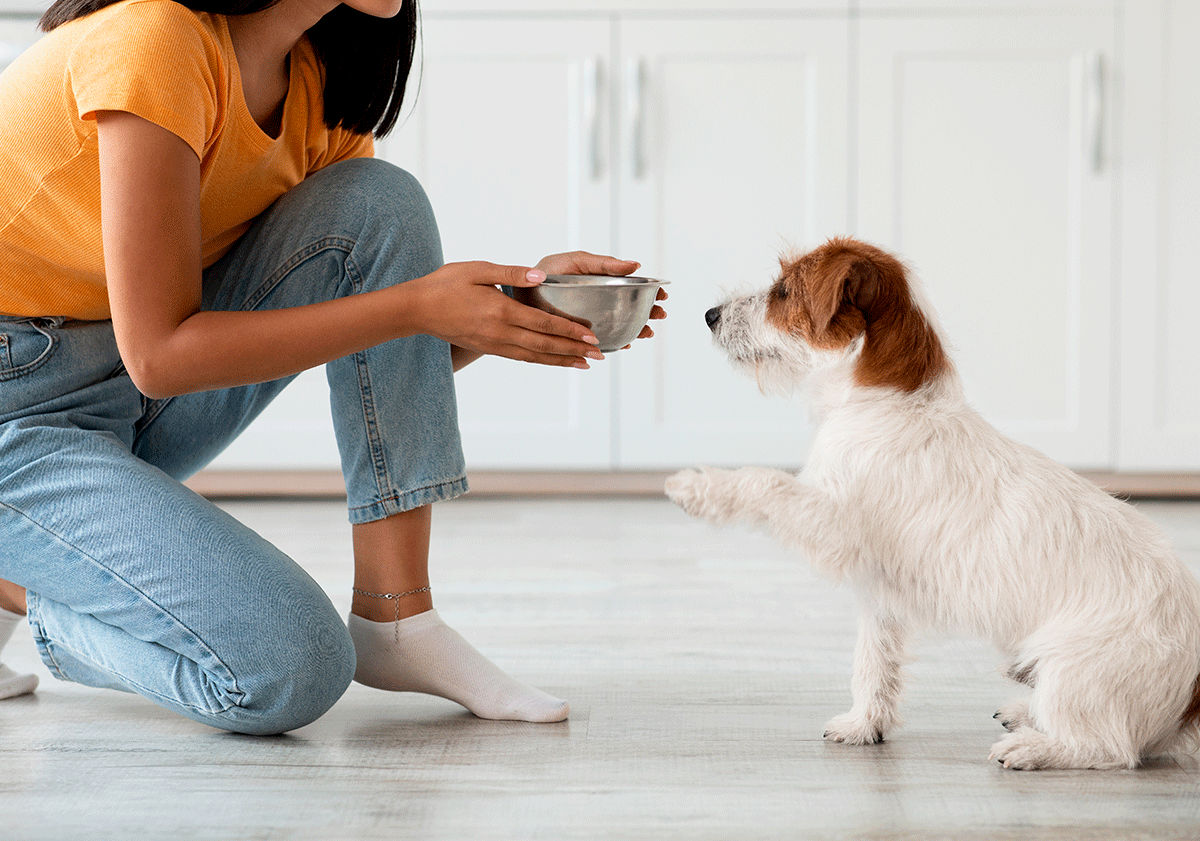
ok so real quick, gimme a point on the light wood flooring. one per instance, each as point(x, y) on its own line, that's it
point(701, 665)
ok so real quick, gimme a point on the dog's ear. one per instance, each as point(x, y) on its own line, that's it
point(840, 278)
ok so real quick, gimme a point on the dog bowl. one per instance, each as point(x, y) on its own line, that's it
point(615, 308)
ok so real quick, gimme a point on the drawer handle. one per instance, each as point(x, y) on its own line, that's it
point(635, 87)
point(593, 96)
point(1094, 90)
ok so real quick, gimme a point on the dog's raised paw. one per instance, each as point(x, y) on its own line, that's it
point(852, 730)
point(687, 490)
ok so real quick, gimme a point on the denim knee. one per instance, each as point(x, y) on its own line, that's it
point(386, 213)
point(295, 688)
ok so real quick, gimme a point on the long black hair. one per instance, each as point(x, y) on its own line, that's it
point(367, 59)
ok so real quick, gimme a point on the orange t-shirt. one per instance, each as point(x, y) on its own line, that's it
point(169, 65)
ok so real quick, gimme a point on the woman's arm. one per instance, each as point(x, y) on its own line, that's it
point(150, 211)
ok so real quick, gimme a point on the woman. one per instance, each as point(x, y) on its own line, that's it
point(191, 216)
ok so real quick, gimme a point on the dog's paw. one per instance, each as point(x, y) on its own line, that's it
point(1025, 749)
point(690, 489)
point(1014, 715)
point(851, 729)
point(686, 489)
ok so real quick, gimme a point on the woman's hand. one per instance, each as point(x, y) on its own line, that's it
point(461, 304)
point(581, 262)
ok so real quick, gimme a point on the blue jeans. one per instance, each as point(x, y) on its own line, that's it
point(136, 583)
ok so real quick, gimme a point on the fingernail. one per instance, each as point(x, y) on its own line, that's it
point(595, 354)
point(535, 275)
point(582, 366)
point(590, 339)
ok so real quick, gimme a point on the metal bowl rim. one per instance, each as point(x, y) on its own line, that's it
point(601, 280)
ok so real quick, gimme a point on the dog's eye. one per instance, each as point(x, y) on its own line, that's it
point(781, 290)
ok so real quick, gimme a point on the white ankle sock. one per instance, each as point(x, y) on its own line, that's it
point(12, 684)
point(424, 654)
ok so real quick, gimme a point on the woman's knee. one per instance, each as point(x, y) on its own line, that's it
point(385, 212)
point(374, 190)
point(295, 684)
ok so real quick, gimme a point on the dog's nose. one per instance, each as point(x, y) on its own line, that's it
point(712, 317)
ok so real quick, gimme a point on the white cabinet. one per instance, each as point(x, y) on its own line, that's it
point(1034, 163)
point(733, 139)
point(710, 145)
point(984, 158)
point(1160, 363)
point(510, 137)
point(978, 145)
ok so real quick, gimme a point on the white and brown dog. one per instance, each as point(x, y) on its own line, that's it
point(941, 522)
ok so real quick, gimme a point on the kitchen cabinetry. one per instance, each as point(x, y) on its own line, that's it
point(985, 159)
point(1032, 162)
point(733, 149)
point(702, 148)
point(1159, 363)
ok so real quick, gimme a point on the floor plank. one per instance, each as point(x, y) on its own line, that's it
point(701, 665)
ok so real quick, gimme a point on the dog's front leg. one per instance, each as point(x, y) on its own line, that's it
point(878, 657)
point(723, 496)
point(798, 514)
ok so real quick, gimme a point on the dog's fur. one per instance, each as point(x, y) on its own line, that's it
point(940, 521)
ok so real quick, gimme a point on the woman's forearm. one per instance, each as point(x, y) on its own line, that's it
point(213, 349)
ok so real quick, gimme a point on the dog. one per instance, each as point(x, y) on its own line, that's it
point(941, 522)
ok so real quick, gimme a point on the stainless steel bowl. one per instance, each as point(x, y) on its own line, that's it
point(615, 308)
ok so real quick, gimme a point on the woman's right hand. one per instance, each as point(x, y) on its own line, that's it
point(461, 304)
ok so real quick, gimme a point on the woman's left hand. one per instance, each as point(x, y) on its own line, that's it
point(582, 262)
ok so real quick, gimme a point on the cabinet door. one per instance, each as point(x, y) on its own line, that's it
point(733, 149)
point(1160, 406)
point(509, 136)
point(984, 160)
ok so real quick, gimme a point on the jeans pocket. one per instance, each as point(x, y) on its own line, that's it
point(26, 345)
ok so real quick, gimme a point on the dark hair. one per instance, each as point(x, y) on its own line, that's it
point(367, 59)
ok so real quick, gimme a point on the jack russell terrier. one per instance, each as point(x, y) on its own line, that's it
point(939, 521)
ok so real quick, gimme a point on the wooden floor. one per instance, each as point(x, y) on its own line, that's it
point(701, 666)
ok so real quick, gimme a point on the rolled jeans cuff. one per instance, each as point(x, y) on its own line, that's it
point(401, 501)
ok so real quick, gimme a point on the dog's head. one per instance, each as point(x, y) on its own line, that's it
point(843, 305)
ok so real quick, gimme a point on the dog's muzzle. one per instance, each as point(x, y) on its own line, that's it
point(712, 317)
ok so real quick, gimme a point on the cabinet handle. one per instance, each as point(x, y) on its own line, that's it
point(593, 95)
point(635, 95)
point(1094, 84)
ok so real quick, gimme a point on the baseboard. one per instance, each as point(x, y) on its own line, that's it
point(327, 484)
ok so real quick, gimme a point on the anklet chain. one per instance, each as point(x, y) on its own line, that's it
point(390, 595)
point(395, 597)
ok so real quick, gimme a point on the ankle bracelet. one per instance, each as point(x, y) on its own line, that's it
point(390, 595)
point(394, 597)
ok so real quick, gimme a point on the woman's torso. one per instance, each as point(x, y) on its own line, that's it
point(176, 68)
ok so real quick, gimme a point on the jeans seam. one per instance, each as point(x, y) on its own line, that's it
point(383, 481)
point(196, 637)
point(142, 689)
point(299, 256)
point(33, 607)
point(42, 358)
